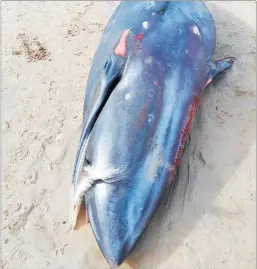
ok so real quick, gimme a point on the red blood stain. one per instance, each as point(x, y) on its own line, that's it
point(121, 47)
point(140, 36)
point(186, 129)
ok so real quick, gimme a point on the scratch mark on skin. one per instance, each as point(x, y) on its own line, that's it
point(121, 47)
point(186, 129)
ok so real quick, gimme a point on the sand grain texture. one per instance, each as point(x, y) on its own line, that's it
point(47, 51)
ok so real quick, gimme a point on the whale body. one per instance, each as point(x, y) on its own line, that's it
point(153, 62)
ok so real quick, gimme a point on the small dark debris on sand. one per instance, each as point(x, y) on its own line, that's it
point(32, 48)
point(16, 52)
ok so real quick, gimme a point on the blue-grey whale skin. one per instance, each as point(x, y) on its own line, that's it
point(151, 66)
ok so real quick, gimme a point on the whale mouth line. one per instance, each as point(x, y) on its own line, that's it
point(109, 90)
point(162, 10)
point(85, 182)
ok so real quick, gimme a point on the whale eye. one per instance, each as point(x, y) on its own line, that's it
point(87, 162)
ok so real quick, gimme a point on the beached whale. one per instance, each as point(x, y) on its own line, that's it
point(152, 64)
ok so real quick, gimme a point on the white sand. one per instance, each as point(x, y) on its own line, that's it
point(41, 117)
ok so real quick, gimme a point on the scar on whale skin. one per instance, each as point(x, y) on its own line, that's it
point(121, 47)
point(186, 129)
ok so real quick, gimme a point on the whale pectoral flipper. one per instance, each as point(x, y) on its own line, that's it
point(218, 67)
point(85, 174)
